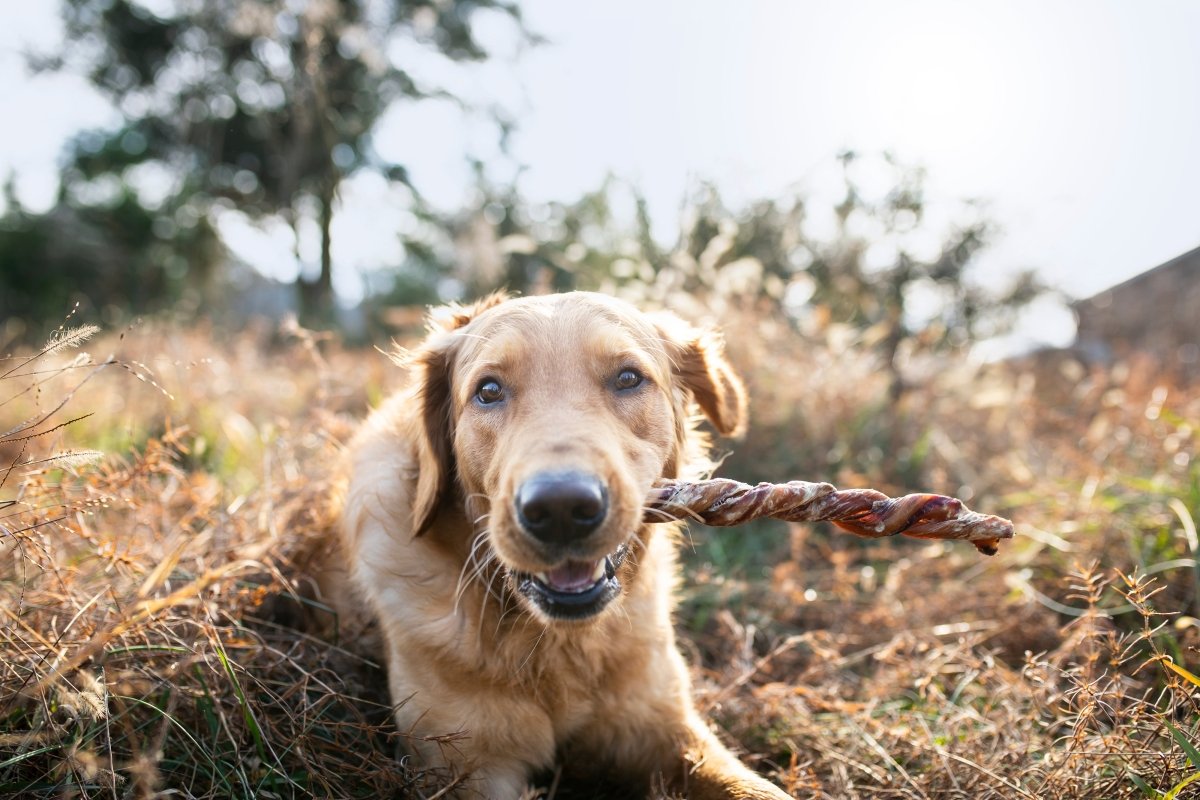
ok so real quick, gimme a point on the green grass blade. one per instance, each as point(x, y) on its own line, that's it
point(1193, 755)
point(1146, 789)
point(247, 714)
point(1181, 672)
point(1179, 787)
point(17, 759)
point(178, 726)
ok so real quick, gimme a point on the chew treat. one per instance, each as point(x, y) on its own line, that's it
point(863, 512)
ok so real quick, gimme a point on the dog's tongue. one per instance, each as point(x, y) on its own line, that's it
point(573, 576)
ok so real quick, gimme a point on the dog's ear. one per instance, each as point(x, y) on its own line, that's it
point(452, 316)
point(435, 456)
point(433, 365)
point(700, 367)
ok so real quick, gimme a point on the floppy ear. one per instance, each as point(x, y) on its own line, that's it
point(699, 364)
point(435, 457)
point(433, 365)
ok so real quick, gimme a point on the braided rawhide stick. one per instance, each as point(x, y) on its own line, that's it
point(864, 512)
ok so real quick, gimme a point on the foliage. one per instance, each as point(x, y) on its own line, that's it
point(109, 251)
point(885, 274)
point(261, 106)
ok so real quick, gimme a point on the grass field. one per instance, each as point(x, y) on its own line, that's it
point(160, 486)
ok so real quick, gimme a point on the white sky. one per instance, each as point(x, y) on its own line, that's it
point(1077, 121)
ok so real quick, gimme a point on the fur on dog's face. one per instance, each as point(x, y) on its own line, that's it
point(548, 419)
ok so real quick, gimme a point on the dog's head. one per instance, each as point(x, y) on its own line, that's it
point(549, 418)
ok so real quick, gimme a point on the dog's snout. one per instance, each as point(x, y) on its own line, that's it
point(561, 507)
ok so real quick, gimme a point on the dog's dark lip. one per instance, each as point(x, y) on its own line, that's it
point(576, 604)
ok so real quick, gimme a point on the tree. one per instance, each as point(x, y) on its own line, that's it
point(502, 240)
point(107, 247)
point(882, 296)
point(887, 271)
point(263, 104)
point(906, 285)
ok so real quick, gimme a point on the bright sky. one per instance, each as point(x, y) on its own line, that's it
point(1077, 121)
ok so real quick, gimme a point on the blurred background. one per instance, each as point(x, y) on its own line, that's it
point(958, 173)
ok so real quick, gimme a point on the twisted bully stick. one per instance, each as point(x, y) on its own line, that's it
point(864, 512)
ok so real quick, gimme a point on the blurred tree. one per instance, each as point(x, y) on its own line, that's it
point(903, 282)
point(909, 286)
point(107, 247)
point(906, 284)
point(263, 105)
point(502, 240)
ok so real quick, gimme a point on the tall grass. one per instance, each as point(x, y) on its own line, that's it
point(159, 508)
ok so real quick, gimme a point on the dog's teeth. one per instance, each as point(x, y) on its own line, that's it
point(598, 572)
point(544, 577)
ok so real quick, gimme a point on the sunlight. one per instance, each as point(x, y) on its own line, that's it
point(944, 88)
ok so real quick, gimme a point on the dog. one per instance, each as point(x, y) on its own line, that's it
point(492, 521)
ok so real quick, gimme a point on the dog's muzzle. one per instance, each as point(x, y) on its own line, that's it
point(560, 511)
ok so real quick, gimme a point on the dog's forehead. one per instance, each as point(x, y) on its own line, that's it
point(559, 326)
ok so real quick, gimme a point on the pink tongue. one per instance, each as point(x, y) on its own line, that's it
point(573, 576)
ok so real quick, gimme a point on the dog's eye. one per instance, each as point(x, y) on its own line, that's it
point(489, 392)
point(628, 379)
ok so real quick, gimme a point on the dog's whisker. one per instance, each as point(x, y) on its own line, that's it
point(506, 608)
point(532, 649)
point(628, 619)
point(480, 574)
point(688, 514)
point(478, 509)
point(486, 581)
point(480, 540)
point(488, 593)
point(476, 573)
point(488, 573)
point(463, 579)
point(508, 605)
point(529, 619)
point(637, 540)
point(665, 515)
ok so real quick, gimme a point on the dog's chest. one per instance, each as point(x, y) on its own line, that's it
point(587, 682)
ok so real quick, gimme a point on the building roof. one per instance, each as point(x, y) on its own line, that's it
point(1186, 261)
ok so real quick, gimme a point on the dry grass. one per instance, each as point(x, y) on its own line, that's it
point(151, 596)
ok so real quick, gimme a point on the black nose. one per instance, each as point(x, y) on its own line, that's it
point(560, 507)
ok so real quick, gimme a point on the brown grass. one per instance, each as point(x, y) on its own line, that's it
point(152, 596)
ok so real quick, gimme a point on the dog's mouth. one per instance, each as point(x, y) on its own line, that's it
point(574, 589)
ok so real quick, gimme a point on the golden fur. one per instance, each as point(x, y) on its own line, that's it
point(437, 551)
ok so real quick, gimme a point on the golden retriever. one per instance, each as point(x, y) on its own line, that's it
point(493, 522)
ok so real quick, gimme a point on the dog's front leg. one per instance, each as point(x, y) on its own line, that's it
point(711, 772)
point(490, 741)
point(684, 758)
point(506, 782)
point(477, 769)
